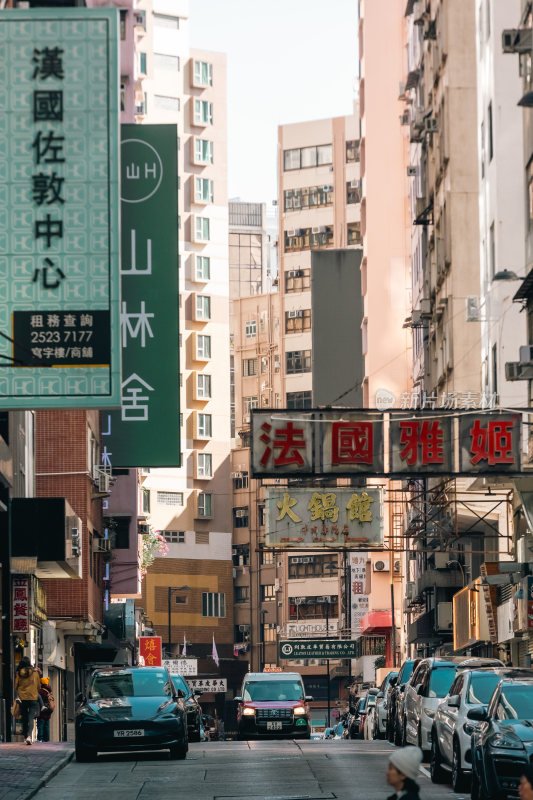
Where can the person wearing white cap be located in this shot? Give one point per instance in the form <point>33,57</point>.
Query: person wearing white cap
<point>404,766</point>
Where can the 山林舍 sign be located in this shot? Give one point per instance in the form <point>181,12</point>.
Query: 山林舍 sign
<point>147,428</point>
<point>335,517</point>
<point>334,443</point>
<point>59,209</point>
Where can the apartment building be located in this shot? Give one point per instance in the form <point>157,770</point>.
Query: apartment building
<point>191,505</point>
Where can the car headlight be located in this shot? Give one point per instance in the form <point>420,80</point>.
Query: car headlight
<point>429,712</point>
<point>299,710</point>
<point>506,742</point>
<point>248,712</point>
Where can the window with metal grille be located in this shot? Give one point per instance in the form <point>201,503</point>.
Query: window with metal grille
<point>170,498</point>
<point>174,537</point>
<point>213,604</point>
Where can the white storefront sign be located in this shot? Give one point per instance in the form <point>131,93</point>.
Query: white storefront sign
<point>181,666</point>
<point>209,684</point>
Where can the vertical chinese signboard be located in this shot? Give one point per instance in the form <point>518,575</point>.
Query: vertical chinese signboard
<point>150,650</point>
<point>59,212</point>
<point>20,607</point>
<point>146,431</point>
<point>359,598</point>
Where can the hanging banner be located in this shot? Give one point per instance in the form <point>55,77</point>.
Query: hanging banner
<point>146,431</point>
<point>330,518</point>
<point>59,208</point>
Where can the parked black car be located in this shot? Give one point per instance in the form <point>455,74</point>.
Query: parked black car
<point>193,709</point>
<point>502,742</point>
<point>130,708</point>
<point>395,703</point>
<point>357,723</point>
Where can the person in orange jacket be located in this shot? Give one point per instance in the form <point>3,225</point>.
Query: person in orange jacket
<point>27,685</point>
<point>43,720</point>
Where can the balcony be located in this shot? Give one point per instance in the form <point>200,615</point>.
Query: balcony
<point>422,630</point>
<point>441,578</point>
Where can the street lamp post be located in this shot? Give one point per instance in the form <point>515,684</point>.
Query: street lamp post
<point>327,659</point>
<point>170,590</point>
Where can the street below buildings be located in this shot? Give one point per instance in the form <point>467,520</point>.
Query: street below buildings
<point>270,770</point>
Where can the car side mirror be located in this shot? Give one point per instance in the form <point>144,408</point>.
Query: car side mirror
<point>379,695</point>
<point>478,713</point>
<point>393,681</point>
<point>402,688</point>
<point>181,693</point>
<point>420,689</point>
<point>197,692</point>
<point>308,698</point>
<point>454,701</point>
<point>238,699</point>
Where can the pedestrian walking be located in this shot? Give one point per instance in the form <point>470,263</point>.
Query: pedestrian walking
<point>43,720</point>
<point>404,766</point>
<point>27,685</point>
<point>525,788</point>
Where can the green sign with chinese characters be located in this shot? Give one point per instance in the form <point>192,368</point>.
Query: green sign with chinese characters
<point>318,648</point>
<point>146,431</point>
<point>59,208</point>
<point>325,517</point>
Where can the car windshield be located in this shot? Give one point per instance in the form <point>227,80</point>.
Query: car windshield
<point>272,691</point>
<point>516,702</point>
<point>362,704</point>
<point>124,683</point>
<point>481,688</point>
<point>180,683</point>
<point>407,671</point>
<point>440,681</point>
<point>372,700</point>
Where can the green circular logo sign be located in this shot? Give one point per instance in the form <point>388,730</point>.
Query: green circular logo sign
<point>141,171</point>
<point>286,649</point>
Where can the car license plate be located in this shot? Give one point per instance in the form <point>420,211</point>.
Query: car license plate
<point>127,734</point>
<point>274,726</point>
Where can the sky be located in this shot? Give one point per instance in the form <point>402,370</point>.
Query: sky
<point>288,61</point>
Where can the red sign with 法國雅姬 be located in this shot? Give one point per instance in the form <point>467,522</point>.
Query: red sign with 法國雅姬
<point>150,650</point>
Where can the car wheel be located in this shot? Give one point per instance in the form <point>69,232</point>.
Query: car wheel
<point>459,779</point>
<point>178,751</point>
<point>475,789</point>
<point>85,754</point>
<point>425,753</point>
<point>438,774</point>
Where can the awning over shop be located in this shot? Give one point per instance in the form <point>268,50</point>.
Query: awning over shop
<point>376,622</point>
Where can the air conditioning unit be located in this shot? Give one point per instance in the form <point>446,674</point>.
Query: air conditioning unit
<point>431,125</point>
<point>410,590</point>
<point>139,19</point>
<point>516,40</point>
<point>246,419</point>
<point>240,512</point>
<point>355,183</point>
<point>277,585</point>
<point>401,90</point>
<point>101,545</point>
<point>143,529</point>
<point>381,565</point>
<point>295,314</point>
<point>294,273</point>
<point>526,353</point>
<point>404,118</point>
<point>397,566</point>
<point>472,308</point>
<point>411,172</point>
<point>244,628</point>
<point>280,603</point>
<point>444,616</point>
<point>518,371</point>
<point>293,232</point>
<point>327,188</point>
<point>235,475</point>
<point>319,229</point>
<point>76,542</point>
<point>441,560</point>
<point>103,483</point>
<point>140,109</point>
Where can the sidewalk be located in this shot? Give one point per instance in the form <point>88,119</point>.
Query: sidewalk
<point>24,770</point>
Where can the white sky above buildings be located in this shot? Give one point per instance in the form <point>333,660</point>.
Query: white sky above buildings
<point>288,61</point>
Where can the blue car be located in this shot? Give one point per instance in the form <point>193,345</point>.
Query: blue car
<point>130,708</point>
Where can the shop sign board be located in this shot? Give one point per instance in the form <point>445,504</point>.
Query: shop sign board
<point>215,685</point>
<point>181,666</point>
<point>20,606</point>
<point>150,649</point>
<point>395,444</point>
<point>335,517</point>
<point>59,218</point>
<point>318,648</point>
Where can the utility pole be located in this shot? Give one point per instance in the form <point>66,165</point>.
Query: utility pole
<point>327,659</point>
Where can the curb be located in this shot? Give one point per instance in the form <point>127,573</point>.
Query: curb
<point>52,772</point>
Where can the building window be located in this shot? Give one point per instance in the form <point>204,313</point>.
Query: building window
<point>240,480</point>
<point>354,233</point>
<point>203,112</point>
<point>352,150</point>
<point>353,191</point>
<point>170,498</point>
<point>166,21</point>
<point>203,151</point>
<point>203,346</point>
<point>240,517</point>
<point>307,197</point>
<point>492,251</point>
<point>123,14</point>
<point>170,63</point>
<point>529,177</point>
<point>242,594</point>
<point>297,280</point>
<point>305,238</point>
<point>165,103</point>
<point>301,608</point>
<point>304,157</point>
<point>269,632</point>
<point>267,557</point>
<point>248,403</point>
<point>203,73</point>
<point>203,268</point>
<point>146,501</point>
<point>204,425</point>
<point>205,504</point>
<point>142,64</point>
<point>213,604</point>
<point>317,566</point>
<point>203,386</point>
<point>174,537</point>
<point>249,367</point>
<point>205,465</point>
<point>261,514</point>
<point>298,361</point>
<point>494,387</point>
<point>203,307</point>
<point>267,591</point>
<point>298,321</point>
<point>201,229</point>
<point>203,190</point>
<point>251,329</point>
<point>490,133</point>
<point>299,400</point>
